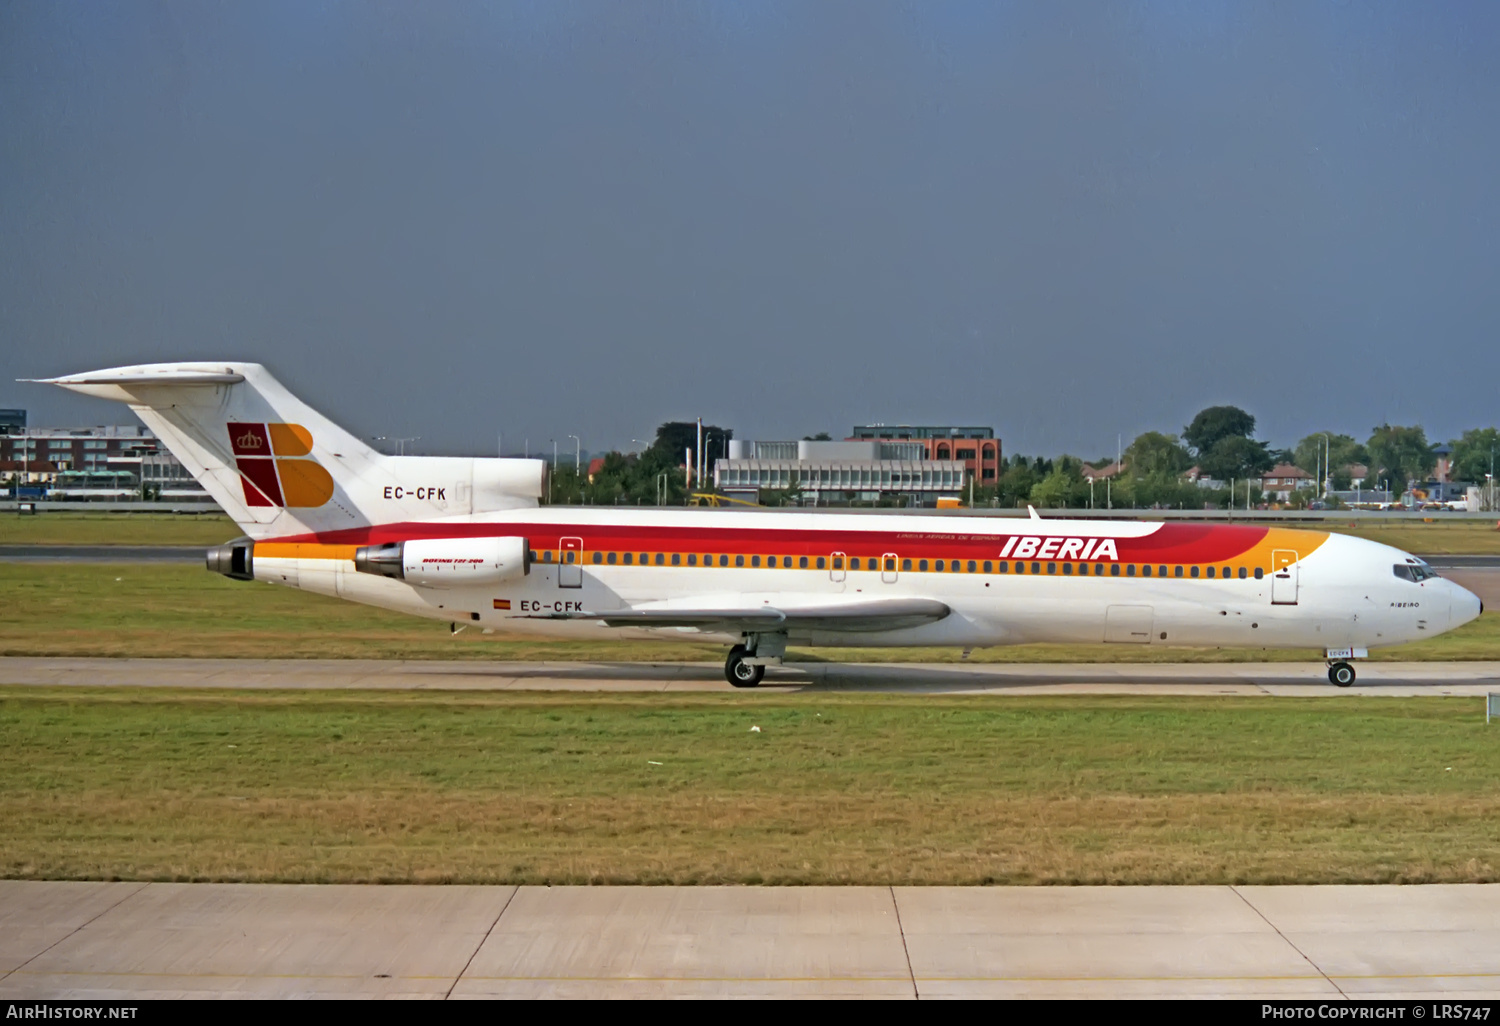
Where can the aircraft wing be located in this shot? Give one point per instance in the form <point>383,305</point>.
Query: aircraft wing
<point>876,615</point>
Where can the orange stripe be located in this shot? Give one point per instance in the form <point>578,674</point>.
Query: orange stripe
<point>298,550</point>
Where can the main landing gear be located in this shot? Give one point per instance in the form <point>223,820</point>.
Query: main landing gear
<point>740,673</point>
<point>1340,674</point>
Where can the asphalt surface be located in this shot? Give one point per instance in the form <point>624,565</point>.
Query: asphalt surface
<point>1454,679</point>
<point>103,554</point>
<point>126,941</point>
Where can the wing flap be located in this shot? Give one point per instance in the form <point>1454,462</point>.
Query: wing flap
<point>880,615</point>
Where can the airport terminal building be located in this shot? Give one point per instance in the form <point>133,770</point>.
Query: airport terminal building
<point>108,463</point>
<point>835,473</point>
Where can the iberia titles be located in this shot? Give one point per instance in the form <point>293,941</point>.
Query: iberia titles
<point>1031,547</point>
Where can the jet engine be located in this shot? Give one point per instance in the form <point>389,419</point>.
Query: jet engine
<point>447,562</point>
<point>234,559</point>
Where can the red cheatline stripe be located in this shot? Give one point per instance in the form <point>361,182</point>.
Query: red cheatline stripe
<point>1171,543</point>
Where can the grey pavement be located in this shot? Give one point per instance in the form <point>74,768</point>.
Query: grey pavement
<point>1269,679</point>
<point>103,553</point>
<point>132,940</point>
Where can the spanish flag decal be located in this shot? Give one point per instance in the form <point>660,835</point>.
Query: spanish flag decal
<point>269,476</point>
<point>502,603</point>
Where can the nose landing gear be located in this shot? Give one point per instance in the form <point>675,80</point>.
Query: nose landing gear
<point>1340,674</point>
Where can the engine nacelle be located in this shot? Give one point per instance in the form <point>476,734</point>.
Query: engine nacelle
<point>447,562</point>
<point>234,559</point>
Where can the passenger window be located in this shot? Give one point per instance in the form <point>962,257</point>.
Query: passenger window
<point>838,562</point>
<point>1098,569</point>
<point>1020,567</point>
<point>1242,573</point>
<point>1036,568</point>
<point>676,559</point>
<point>922,565</point>
<point>531,555</point>
<point>1194,572</point>
<point>820,563</point>
<point>1146,571</point>
<point>987,566</point>
<point>1177,571</point>
<point>854,563</point>
<point>1067,569</point>
<point>786,561</point>
<point>1052,568</point>
<point>1130,570</point>
<point>739,560</point>
<point>890,564</point>
<point>661,559</point>
<point>938,566</point>
<point>755,561</point>
<point>1210,571</point>
<point>1161,571</point>
<point>723,560</point>
<point>611,559</point>
<point>802,562</point>
<point>1114,569</point>
<point>627,558</point>
<point>771,562</point>
<point>1259,573</point>
<point>692,559</point>
<point>1004,567</point>
<point>547,556</point>
<point>597,557</point>
<point>1226,574</point>
<point>971,566</point>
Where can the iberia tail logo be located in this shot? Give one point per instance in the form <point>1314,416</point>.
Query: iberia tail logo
<point>264,454</point>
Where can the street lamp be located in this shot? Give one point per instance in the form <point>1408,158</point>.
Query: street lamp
<point>400,442</point>
<point>577,452</point>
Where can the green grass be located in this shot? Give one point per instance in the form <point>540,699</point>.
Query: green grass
<point>149,784</point>
<point>56,528</point>
<point>133,609</point>
<point>1439,538</point>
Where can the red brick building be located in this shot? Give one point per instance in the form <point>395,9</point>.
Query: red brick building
<point>976,448</point>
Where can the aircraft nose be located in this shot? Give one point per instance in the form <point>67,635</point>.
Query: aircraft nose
<point>1465,605</point>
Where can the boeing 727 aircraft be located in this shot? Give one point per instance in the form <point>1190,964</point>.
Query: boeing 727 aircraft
<point>464,540</point>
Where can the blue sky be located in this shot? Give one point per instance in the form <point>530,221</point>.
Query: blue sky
<point>1070,221</point>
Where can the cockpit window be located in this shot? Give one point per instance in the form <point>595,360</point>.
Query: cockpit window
<point>1413,572</point>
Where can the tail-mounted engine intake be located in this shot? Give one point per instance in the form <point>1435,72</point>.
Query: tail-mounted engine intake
<point>447,562</point>
<point>234,559</point>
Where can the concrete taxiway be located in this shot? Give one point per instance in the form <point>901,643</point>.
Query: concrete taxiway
<point>1268,679</point>
<point>134,940</point>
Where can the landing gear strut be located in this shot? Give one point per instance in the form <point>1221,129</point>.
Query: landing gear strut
<point>740,673</point>
<point>1340,674</point>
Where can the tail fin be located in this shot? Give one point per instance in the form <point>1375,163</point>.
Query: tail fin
<point>278,467</point>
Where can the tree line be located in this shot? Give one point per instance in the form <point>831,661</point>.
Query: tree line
<point>1220,442</point>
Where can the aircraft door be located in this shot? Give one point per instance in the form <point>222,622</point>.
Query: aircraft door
<point>1129,625</point>
<point>888,568</point>
<point>570,563</point>
<point>1283,577</point>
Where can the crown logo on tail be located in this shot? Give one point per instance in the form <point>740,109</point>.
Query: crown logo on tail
<point>278,481</point>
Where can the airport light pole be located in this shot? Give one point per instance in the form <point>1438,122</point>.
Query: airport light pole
<point>577,452</point>
<point>1327,470</point>
<point>400,442</point>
